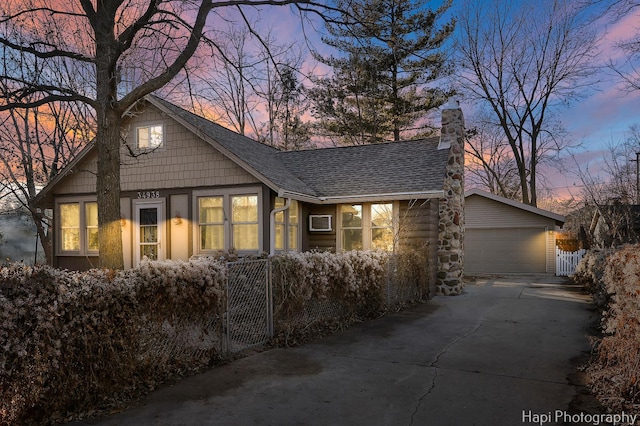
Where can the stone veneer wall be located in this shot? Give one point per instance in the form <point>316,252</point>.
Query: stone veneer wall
<point>450,275</point>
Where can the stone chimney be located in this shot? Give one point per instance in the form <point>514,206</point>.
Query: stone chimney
<point>451,208</point>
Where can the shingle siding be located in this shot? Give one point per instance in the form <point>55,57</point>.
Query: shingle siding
<point>82,180</point>
<point>184,161</point>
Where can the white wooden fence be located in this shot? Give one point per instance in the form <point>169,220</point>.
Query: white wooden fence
<point>566,261</point>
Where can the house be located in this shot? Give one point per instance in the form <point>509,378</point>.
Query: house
<point>190,187</point>
<point>506,236</point>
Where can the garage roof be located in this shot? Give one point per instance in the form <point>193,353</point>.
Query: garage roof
<point>560,220</point>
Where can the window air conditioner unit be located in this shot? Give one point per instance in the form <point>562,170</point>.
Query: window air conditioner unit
<point>320,222</point>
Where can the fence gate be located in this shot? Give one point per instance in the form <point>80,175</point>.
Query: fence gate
<point>249,317</point>
<point>566,261</point>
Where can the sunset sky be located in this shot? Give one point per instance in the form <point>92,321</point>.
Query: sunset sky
<point>601,118</point>
<point>605,115</point>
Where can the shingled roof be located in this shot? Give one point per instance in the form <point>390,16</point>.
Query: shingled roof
<point>257,158</point>
<point>394,170</point>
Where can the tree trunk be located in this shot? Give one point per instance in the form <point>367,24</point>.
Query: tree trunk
<point>44,236</point>
<point>108,188</point>
<point>108,127</point>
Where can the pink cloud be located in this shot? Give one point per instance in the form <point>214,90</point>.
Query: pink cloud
<point>625,28</point>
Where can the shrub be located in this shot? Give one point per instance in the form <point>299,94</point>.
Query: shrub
<point>316,292</point>
<point>84,342</point>
<point>76,340</point>
<point>615,373</point>
<point>589,273</point>
<point>356,279</point>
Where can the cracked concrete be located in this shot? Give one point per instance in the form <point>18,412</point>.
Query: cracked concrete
<point>503,347</point>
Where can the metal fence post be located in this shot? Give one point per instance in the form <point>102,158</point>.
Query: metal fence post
<point>226,323</point>
<point>269,294</point>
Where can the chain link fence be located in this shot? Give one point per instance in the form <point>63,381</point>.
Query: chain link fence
<point>248,319</point>
<point>183,342</point>
<point>406,281</point>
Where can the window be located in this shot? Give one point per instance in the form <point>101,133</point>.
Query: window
<point>287,225</point>
<point>91,215</point>
<point>382,226</point>
<point>281,226</point>
<point>227,221</point>
<point>244,222</point>
<point>78,222</point>
<point>366,226</point>
<point>150,137</point>
<point>294,218</point>
<point>351,216</point>
<point>211,223</point>
<point>148,225</point>
<point>70,226</point>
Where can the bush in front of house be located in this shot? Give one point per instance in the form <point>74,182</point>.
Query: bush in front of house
<point>355,278</point>
<point>615,371</point>
<point>78,341</point>
<point>318,292</point>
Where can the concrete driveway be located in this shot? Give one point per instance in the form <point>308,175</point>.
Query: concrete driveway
<point>499,354</point>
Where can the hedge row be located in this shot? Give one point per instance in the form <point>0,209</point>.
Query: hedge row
<point>615,280</point>
<point>319,292</point>
<point>73,341</point>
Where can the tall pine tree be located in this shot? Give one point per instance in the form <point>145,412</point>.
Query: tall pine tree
<point>389,59</point>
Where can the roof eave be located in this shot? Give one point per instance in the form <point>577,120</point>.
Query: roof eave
<point>559,219</point>
<point>45,193</point>
<point>247,167</point>
<point>371,198</point>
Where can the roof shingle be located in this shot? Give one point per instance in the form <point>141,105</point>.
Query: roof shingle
<point>387,168</point>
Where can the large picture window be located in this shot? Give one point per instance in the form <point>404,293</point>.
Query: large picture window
<point>78,226</point>
<point>366,226</point>
<point>228,221</point>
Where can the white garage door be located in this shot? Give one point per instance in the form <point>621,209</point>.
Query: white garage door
<point>505,250</point>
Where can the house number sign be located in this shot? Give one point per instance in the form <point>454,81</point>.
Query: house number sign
<point>148,194</point>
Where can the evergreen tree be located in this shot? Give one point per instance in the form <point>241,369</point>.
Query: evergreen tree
<point>294,133</point>
<point>383,81</point>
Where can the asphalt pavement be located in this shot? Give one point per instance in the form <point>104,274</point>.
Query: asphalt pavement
<point>499,354</point>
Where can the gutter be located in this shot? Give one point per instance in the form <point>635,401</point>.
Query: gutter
<point>272,226</point>
<point>345,199</point>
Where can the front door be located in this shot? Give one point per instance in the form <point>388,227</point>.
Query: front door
<point>149,231</point>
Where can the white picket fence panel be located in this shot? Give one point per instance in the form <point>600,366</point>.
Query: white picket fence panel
<point>566,261</point>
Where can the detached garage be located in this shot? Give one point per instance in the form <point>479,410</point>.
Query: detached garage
<point>506,236</point>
